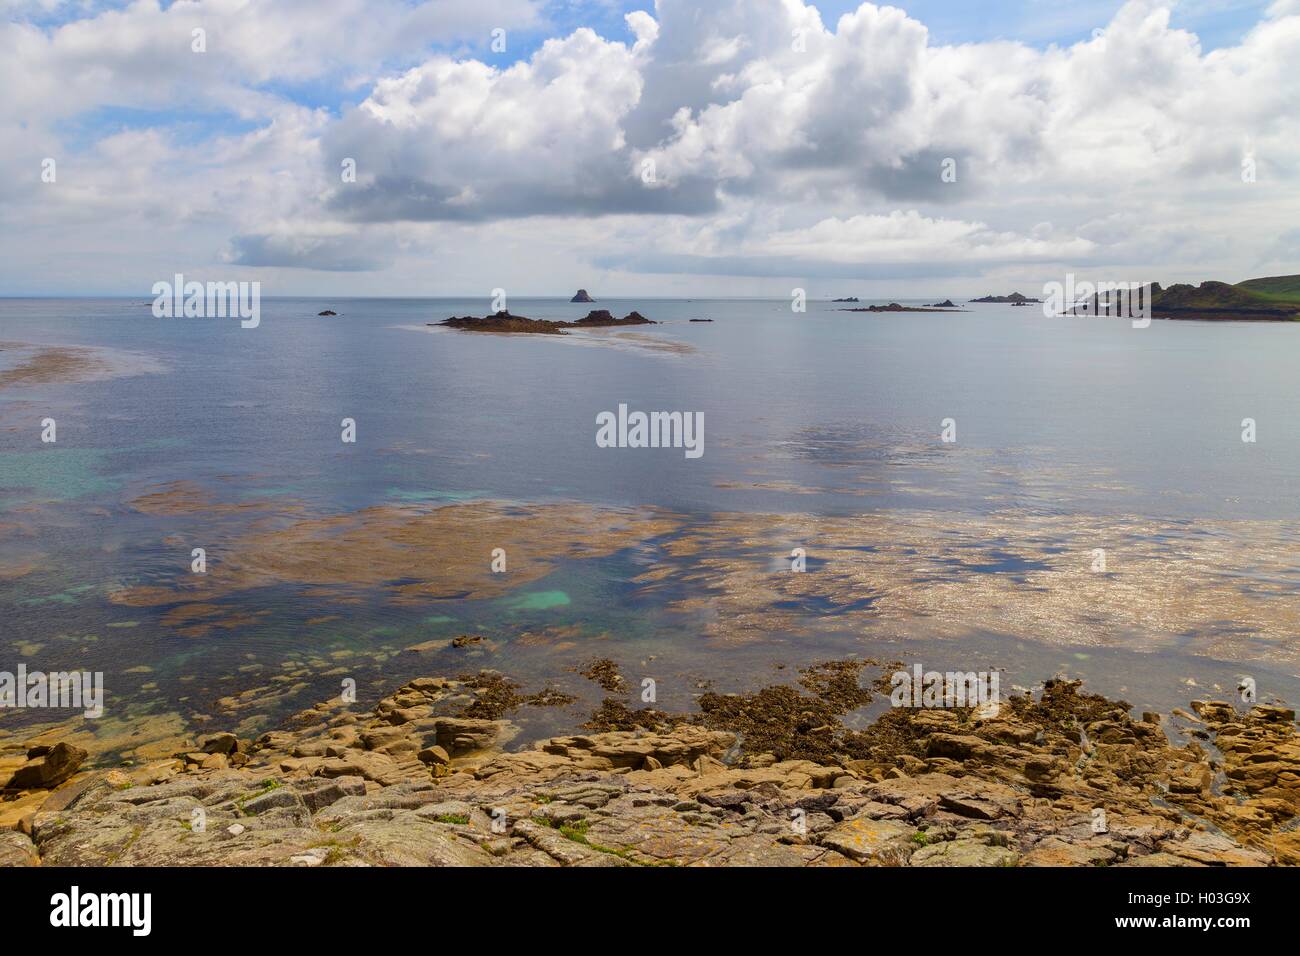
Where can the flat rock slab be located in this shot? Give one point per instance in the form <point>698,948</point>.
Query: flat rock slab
<point>877,842</point>
<point>964,853</point>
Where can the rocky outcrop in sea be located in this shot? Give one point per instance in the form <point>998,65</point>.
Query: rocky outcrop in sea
<point>896,307</point>
<point>1014,298</point>
<point>505,322</point>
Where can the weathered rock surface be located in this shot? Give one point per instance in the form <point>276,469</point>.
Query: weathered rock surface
<point>44,768</point>
<point>1067,780</point>
<point>17,849</point>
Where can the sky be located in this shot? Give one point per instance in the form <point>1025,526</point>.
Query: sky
<point>656,148</point>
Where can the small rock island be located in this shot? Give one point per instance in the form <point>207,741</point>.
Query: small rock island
<point>327,312</point>
<point>581,296</point>
<point>505,322</point>
<point>895,307</point>
<point>1014,298</point>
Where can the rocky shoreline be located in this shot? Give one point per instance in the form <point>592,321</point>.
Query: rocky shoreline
<point>436,775</point>
<point>1256,300</point>
<point>1217,301</point>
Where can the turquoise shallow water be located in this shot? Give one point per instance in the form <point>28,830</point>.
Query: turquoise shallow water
<point>828,412</point>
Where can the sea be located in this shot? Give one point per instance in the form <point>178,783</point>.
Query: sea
<point>1184,434</point>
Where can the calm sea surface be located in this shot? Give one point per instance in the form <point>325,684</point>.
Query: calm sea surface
<point>829,413</point>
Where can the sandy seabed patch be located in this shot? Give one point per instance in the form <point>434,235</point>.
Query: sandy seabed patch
<point>592,338</point>
<point>28,364</point>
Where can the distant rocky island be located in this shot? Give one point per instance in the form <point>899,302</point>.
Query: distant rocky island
<point>581,296</point>
<point>852,298</point>
<point>1014,298</point>
<point>503,321</point>
<point>895,307</point>
<point>327,312</point>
